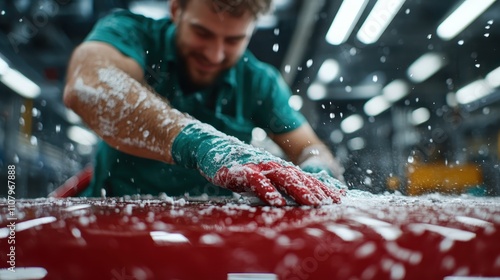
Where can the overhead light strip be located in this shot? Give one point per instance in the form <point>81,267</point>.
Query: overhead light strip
<point>473,91</point>
<point>462,17</point>
<point>425,66</point>
<point>345,20</point>
<point>377,21</point>
<point>16,81</point>
<point>328,71</point>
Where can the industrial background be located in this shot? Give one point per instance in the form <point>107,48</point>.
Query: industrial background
<point>406,93</point>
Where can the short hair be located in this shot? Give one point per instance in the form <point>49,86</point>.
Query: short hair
<point>237,7</point>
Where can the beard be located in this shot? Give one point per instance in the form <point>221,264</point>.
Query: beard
<point>191,80</point>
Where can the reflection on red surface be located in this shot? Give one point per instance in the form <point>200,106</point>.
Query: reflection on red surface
<point>365,237</point>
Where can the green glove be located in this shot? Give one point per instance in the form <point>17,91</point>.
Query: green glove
<point>227,162</point>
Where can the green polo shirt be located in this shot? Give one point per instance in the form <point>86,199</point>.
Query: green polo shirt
<point>250,94</point>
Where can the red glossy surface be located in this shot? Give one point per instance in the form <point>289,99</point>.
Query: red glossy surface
<point>365,237</point>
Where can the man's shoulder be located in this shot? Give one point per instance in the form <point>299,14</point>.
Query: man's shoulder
<point>118,16</point>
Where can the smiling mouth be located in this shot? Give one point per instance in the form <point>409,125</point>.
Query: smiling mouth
<point>204,66</point>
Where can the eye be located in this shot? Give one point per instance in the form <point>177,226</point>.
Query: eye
<point>233,41</point>
<point>201,33</point>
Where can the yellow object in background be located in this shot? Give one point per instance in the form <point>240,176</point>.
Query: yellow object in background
<point>427,178</point>
<point>27,116</point>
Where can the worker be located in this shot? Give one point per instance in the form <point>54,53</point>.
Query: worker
<point>175,101</point>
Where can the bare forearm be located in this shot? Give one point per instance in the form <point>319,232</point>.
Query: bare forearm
<point>125,113</point>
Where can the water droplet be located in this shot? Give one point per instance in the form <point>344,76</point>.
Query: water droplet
<point>58,128</point>
<point>477,65</point>
<point>21,121</point>
<point>35,112</point>
<point>332,115</point>
<point>20,20</point>
<point>461,42</point>
<point>486,35</point>
<point>276,31</point>
<point>487,27</point>
<point>309,63</point>
<point>287,68</point>
<point>407,11</point>
<point>375,78</point>
<point>33,141</point>
<point>348,88</point>
<point>353,51</point>
<point>490,22</point>
<point>323,106</point>
<point>429,36</point>
<point>2,13</point>
<point>145,133</point>
<point>15,159</point>
<point>276,47</point>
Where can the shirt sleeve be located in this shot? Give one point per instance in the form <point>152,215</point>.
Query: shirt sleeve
<point>125,31</point>
<point>274,114</point>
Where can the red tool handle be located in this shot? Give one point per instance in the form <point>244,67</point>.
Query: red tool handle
<point>74,184</point>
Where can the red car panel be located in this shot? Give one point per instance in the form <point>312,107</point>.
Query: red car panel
<point>365,237</point>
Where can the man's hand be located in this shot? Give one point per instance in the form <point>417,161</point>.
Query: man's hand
<point>227,162</point>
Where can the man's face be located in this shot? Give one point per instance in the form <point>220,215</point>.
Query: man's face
<point>208,41</point>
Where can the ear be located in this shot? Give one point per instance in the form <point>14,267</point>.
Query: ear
<point>175,10</point>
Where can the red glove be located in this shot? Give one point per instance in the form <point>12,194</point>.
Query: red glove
<point>266,179</point>
<point>232,164</point>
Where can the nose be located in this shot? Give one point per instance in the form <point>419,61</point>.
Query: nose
<point>215,52</point>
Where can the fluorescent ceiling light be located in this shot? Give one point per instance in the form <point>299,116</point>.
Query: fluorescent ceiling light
<point>493,78</point>
<point>356,144</point>
<point>395,90</point>
<point>20,84</point>
<point>376,105</point>
<point>377,21</point>
<point>352,124</point>
<point>316,91</point>
<point>420,115</point>
<point>345,20</point>
<point>151,9</point>
<point>267,21</point>
<point>72,117</point>
<point>4,66</point>
<point>328,71</point>
<point>81,135</point>
<point>462,17</point>
<point>425,66</point>
<point>473,91</point>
